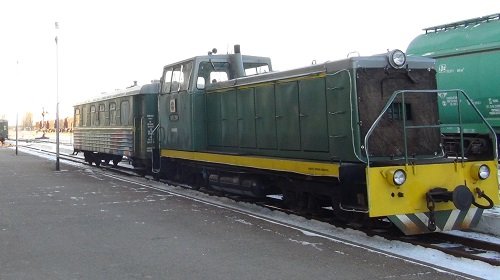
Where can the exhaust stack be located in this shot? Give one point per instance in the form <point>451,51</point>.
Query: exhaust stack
<point>238,70</point>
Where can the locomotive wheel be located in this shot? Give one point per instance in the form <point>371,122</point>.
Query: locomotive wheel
<point>290,198</point>
<point>116,160</point>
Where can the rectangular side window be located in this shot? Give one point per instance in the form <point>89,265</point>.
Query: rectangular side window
<point>101,114</point>
<point>125,112</point>
<point>77,117</point>
<point>177,78</point>
<point>167,81</point>
<point>93,116</point>
<point>112,113</point>
<point>85,115</point>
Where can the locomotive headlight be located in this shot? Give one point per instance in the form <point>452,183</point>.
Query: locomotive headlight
<point>397,58</point>
<point>480,171</point>
<point>396,177</point>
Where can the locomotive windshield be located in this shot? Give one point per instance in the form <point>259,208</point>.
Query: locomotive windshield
<point>176,78</point>
<point>211,72</point>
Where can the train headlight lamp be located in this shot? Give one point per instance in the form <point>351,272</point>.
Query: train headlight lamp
<point>396,177</point>
<point>397,58</point>
<point>480,171</point>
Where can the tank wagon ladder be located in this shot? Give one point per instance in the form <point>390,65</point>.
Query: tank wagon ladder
<point>462,23</point>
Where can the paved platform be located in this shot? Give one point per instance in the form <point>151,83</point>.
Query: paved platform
<point>80,224</point>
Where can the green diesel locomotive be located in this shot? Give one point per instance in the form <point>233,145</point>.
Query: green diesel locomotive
<point>361,135</point>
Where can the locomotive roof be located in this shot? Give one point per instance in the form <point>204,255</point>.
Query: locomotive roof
<point>152,88</point>
<point>374,61</point>
<point>215,57</point>
<point>478,34</point>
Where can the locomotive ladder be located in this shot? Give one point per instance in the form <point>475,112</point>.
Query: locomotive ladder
<point>406,127</point>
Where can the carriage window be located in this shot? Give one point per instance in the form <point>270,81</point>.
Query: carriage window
<point>395,112</point>
<point>93,116</point>
<point>112,113</point>
<point>101,114</point>
<point>85,119</point>
<point>77,117</point>
<point>124,112</point>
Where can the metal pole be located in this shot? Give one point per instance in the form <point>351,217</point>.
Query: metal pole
<point>17,113</point>
<point>57,100</point>
<point>17,116</point>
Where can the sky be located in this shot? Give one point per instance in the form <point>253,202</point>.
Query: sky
<point>107,45</point>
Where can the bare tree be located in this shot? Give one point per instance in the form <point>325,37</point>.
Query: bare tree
<point>28,120</point>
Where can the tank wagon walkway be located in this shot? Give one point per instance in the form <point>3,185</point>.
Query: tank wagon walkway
<point>79,224</point>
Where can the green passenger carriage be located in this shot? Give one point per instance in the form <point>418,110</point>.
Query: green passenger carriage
<point>118,125</point>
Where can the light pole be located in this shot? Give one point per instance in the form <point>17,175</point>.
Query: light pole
<point>57,98</point>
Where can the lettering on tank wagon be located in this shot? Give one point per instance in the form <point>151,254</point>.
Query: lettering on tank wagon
<point>452,100</point>
<point>493,106</point>
<point>443,69</point>
<point>448,100</point>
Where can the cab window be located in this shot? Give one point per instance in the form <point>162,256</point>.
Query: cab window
<point>255,68</point>
<point>212,72</point>
<point>177,78</point>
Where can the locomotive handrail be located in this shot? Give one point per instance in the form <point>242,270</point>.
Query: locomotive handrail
<point>405,127</point>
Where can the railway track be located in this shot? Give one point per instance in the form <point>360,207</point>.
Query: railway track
<point>457,246</point>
